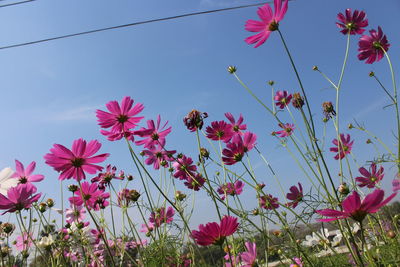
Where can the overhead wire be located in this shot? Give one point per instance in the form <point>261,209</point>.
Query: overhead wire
<point>16,3</point>
<point>128,25</point>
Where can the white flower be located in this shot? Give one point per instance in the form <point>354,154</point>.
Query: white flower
<point>46,241</point>
<point>356,227</point>
<point>5,181</point>
<point>311,240</point>
<point>337,239</point>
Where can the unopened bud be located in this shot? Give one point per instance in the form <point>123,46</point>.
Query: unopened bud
<point>50,202</point>
<point>231,69</point>
<point>271,83</point>
<point>344,189</point>
<point>371,74</point>
<point>180,196</point>
<point>73,188</point>
<point>315,68</point>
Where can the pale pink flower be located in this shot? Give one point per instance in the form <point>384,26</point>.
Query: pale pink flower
<point>6,180</point>
<point>74,163</point>
<point>18,198</point>
<point>154,134</point>
<point>298,262</point>
<point>24,242</point>
<point>249,257</point>
<point>214,233</point>
<point>372,47</point>
<point>352,23</point>
<point>356,209</point>
<point>269,22</point>
<point>147,228</point>
<point>121,119</point>
<point>237,126</point>
<point>75,214</point>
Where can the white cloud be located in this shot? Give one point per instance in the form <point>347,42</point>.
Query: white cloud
<point>75,114</point>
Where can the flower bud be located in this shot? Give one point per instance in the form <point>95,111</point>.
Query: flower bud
<point>271,82</point>
<point>256,212</point>
<point>141,153</point>
<point>129,177</point>
<point>328,110</point>
<point>42,207</point>
<point>231,69</point>
<point>134,195</point>
<point>344,189</point>
<point>204,153</point>
<point>298,101</point>
<point>350,126</point>
<point>180,196</point>
<point>259,187</point>
<point>391,234</point>
<point>315,68</point>
<point>73,188</point>
<point>8,228</point>
<point>194,120</point>
<point>50,202</point>
<point>368,141</point>
<point>371,74</point>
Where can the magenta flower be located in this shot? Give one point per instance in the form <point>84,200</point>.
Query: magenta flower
<point>120,118</point>
<point>352,23</point>
<point>345,146</point>
<point>231,189</point>
<point>269,22</point>
<point>184,168</point>
<point>18,198</point>
<point>104,178</point>
<point>195,182</point>
<point>155,134</point>
<point>371,178</point>
<point>282,99</point>
<point>147,228</point>
<point>237,126</point>
<point>269,202</point>
<point>219,130</point>
<point>159,216</point>
<point>75,214</point>
<point>24,242</point>
<point>236,148</point>
<point>74,164</point>
<point>25,176</point>
<point>288,129</point>
<point>296,195</point>
<point>355,209</point>
<point>298,262</point>
<point>249,257</point>
<point>214,233</point>
<point>372,47</point>
<point>91,196</point>
<point>158,157</point>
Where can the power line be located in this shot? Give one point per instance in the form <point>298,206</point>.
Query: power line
<point>127,25</point>
<point>16,3</point>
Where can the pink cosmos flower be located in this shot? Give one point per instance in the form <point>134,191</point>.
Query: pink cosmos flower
<point>18,198</point>
<point>371,46</point>
<point>396,185</point>
<point>237,126</point>
<point>74,164</point>
<point>75,214</point>
<point>231,189</point>
<point>120,118</point>
<point>219,130</point>
<point>25,175</point>
<point>147,228</point>
<point>214,233</point>
<point>155,134</point>
<point>184,168</point>
<point>24,242</point>
<point>249,257</point>
<point>269,202</point>
<point>236,148</point>
<point>352,23</point>
<point>356,209</point>
<point>158,157</point>
<point>159,216</point>
<point>195,182</point>
<point>91,195</point>
<point>104,178</point>
<point>288,129</point>
<point>370,178</point>
<point>298,262</point>
<point>345,146</point>
<point>282,99</point>
<point>269,22</point>
<point>296,195</point>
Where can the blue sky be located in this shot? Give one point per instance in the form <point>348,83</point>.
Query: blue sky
<point>50,91</point>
